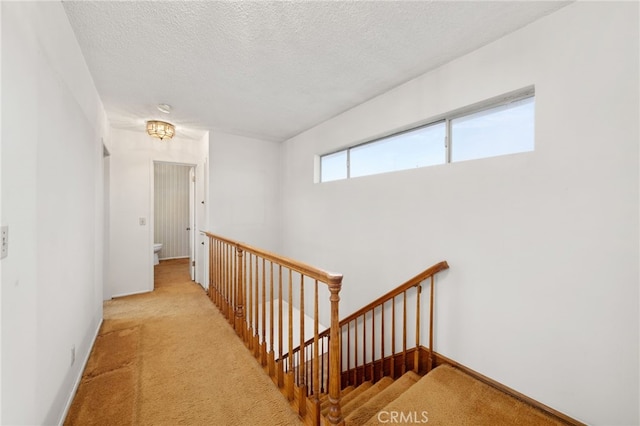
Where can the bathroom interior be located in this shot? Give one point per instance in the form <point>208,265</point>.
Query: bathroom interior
<point>173,213</point>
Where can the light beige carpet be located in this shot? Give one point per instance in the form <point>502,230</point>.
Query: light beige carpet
<point>170,358</point>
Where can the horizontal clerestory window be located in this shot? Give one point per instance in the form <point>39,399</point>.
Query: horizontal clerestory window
<point>497,127</point>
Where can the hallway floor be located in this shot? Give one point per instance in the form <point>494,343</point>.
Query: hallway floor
<point>168,357</point>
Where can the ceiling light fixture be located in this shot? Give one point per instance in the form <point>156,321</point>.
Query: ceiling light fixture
<point>160,129</point>
<point>166,108</point>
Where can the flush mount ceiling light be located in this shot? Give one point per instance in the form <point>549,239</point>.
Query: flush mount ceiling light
<point>160,129</point>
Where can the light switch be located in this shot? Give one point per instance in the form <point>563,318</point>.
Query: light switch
<point>143,221</point>
<point>4,239</point>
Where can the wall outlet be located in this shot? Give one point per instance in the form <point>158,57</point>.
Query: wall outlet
<point>73,354</point>
<point>142,221</point>
<point>4,241</point>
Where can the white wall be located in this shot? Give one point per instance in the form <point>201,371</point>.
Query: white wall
<point>244,189</point>
<point>131,187</point>
<point>542,294</point>
<point>53,122</point>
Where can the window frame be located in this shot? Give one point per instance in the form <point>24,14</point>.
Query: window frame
<point>495,102</point>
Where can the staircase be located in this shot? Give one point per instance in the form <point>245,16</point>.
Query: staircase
<point>368,368</point>
<point>445,396</point>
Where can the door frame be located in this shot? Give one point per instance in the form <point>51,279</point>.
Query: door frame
<point>192,214</point>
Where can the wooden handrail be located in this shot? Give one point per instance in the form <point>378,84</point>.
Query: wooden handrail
<point>303,268</point>
<point>398,290</point>
<point>372,368</point>
<point>429,272</point>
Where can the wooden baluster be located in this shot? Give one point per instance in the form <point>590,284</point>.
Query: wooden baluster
<point>431,360</point>
<point>250,306</point>
<point>349,381</point>
<point>246,291</point>
<point>404,332</point>
<point>302,367</point>
<point>322,368</point>
<point>263,346</point>
<point>271,356</point>
<point>210,257</point>
<point>364,347</point>
<point>356,380</point>
<point>416,355</point>
<point>230,308</point>
<point>225,281</point>
<point>256,318</point>
<point>382,339</point>
<point>280,328</point>
<point>290,374</point>
<point>393,338</point>
<point>220,277</point>
<point>232,285</point>
<point>308,370</point>
<point>373,342</point>
<point>335,413</point>
<point>212,267</point>
<point>217,275</point>
<point>240,324</point>
<point>315,370</point>
<point>223,278</point>
<point>216,284</point>
<point>316,343</point>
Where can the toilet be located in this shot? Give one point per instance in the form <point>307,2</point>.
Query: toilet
<point>156,250</point>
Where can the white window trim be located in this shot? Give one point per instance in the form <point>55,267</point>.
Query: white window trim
<point>447,118</point>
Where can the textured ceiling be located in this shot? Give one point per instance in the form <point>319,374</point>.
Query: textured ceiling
<point>273,69</point>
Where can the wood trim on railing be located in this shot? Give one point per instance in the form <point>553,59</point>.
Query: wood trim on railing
<point>303,268</point>
<point>413,282</point>
<point>441,266</point>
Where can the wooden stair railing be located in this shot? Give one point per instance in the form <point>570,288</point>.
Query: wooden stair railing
<point>374,338</point>
<point>249,286</point>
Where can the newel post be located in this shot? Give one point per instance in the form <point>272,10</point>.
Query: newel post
<point>334,416</point>
<point>239,322</point>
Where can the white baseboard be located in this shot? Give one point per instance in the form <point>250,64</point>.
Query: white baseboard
<point>80,372</point>
<point>131,294</point>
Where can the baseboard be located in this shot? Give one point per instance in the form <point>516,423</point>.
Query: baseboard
<point>441,359</point>
<point>79,378</point>
<point>130,294</point>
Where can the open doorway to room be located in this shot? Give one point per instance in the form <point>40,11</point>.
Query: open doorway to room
<point>174,220</point>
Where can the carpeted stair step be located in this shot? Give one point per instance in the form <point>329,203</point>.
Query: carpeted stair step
<point>345,399</point>
<point>362,398</point>
<point>447,396</point>
<point>373,406</point>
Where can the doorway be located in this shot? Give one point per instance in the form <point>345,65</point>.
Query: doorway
<point>174,221</point>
